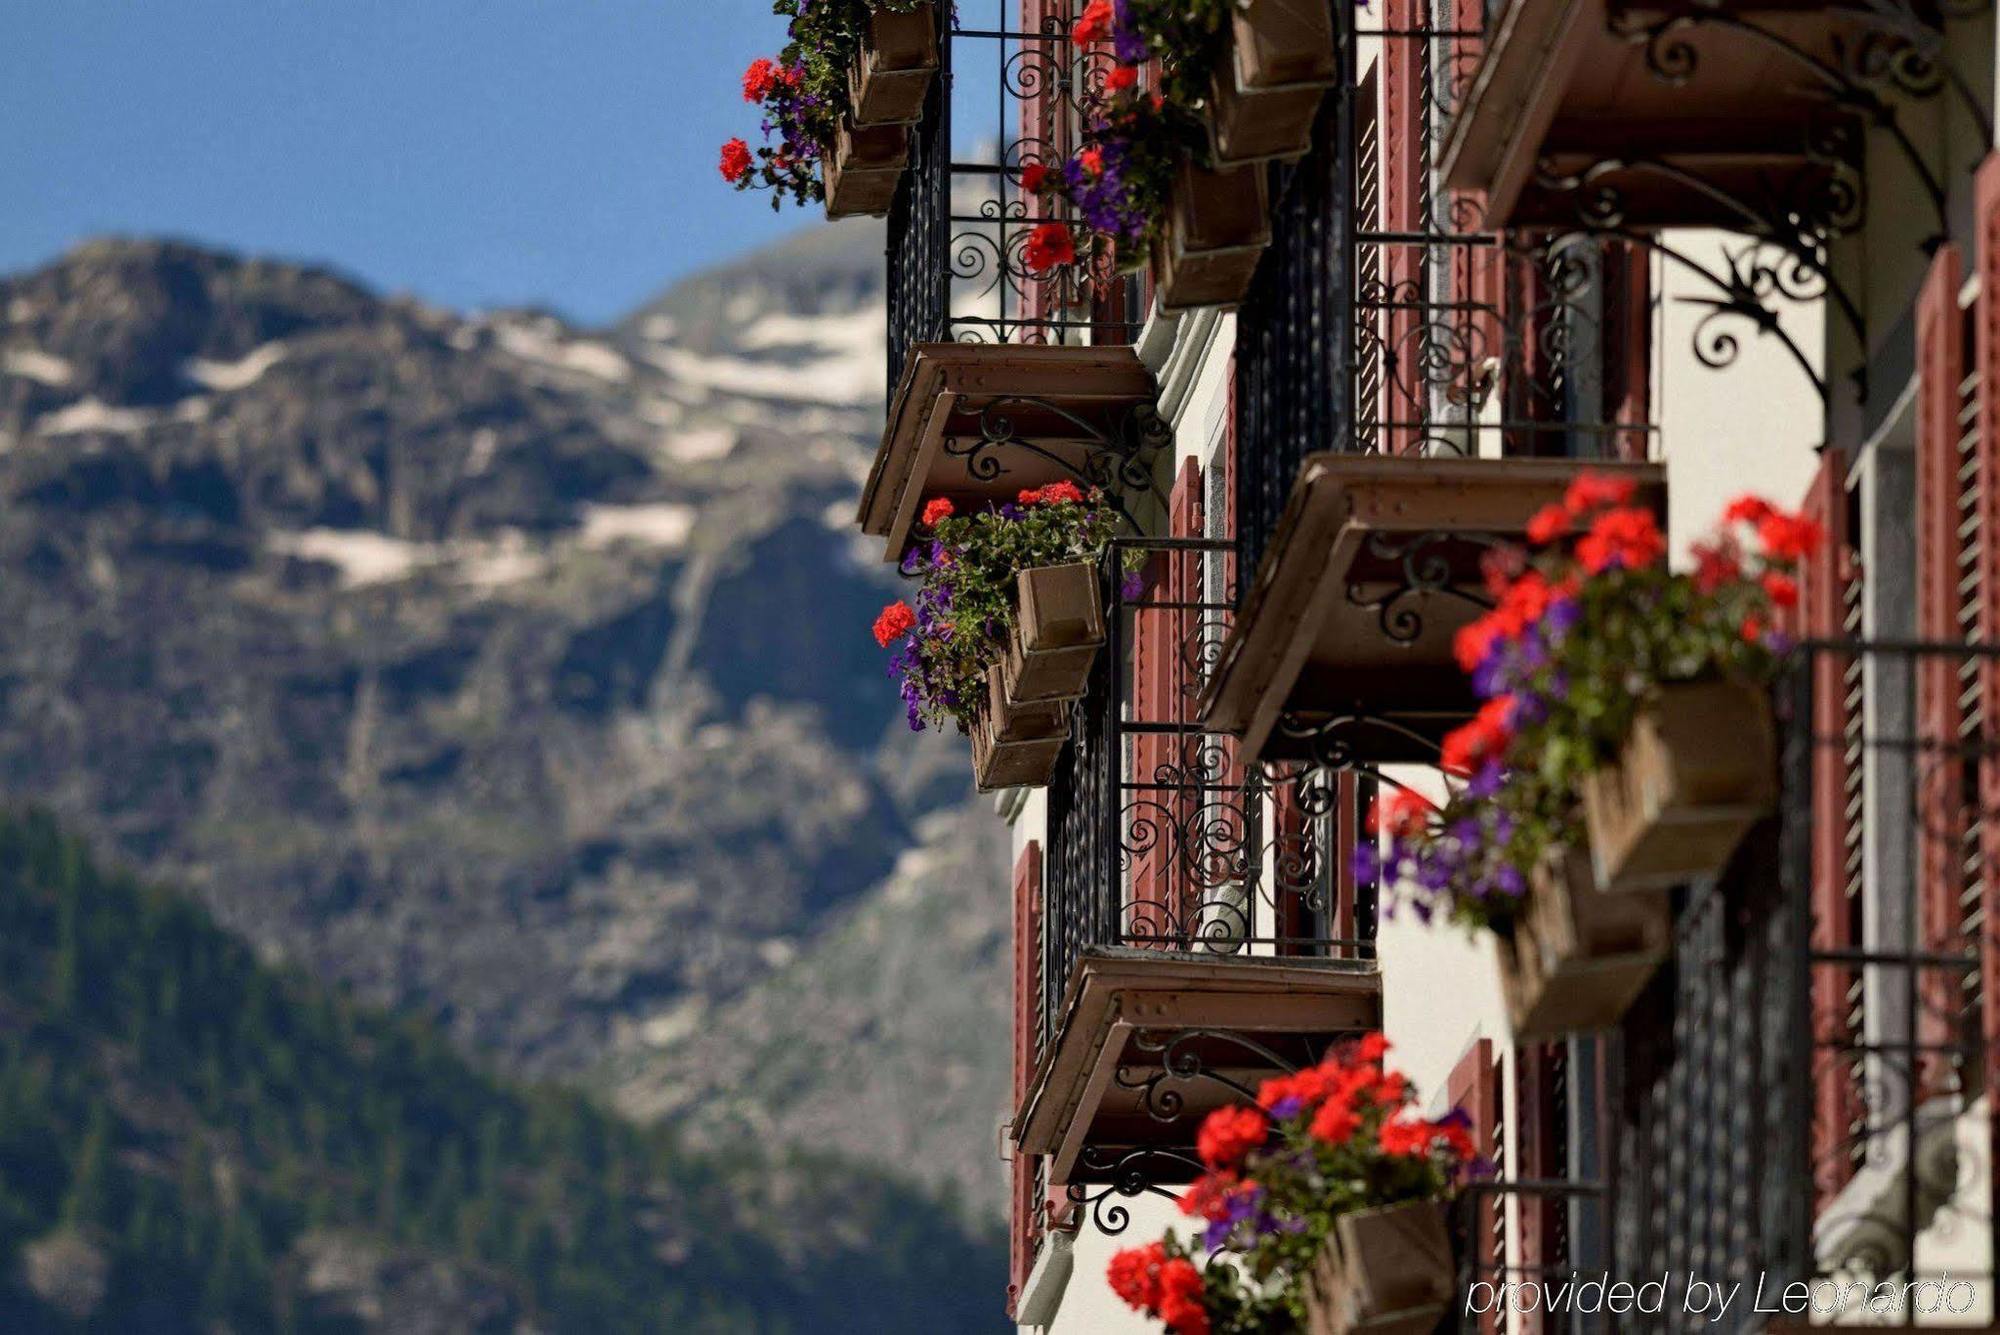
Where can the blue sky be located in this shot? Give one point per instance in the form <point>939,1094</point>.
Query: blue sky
<point>474,152</point>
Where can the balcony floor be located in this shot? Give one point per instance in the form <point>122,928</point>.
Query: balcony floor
<point>1126,1012</point>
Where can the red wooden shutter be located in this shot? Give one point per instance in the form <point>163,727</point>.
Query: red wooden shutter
<point>1475,1086</point>
<point>1985,519</point>
<point>1025,1235</point>
<point>1830,610</point>
<point>1153,815</point>
<point>1943,568</point>
<point>1402,193</point>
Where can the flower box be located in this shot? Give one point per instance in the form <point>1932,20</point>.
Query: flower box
<point>1578,956</point>
<point>1058,629</point>
<point>1016,745</point>
<point>1215,231</point>
<point>1386,1272</point>
<point>1266,92</point>
<point>892,75</point>
<point>1699,769</point>
<point>862,168</point>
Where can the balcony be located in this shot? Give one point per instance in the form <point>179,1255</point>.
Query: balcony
<point>1199,929</point>
<point>979,422</point>
<point>1744,116</point>
<point>1343,651</point>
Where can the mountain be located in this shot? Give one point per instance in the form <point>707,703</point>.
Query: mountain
<point>193,1142</point>
<point>508,675</point>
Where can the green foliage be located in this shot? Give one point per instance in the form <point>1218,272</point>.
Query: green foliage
<point>195,1114</point>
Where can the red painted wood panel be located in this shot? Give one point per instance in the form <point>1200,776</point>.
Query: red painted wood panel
<point>1826,585</point>
<point>1941,775</point>
<point>1985,354</point>
<point>1025,1231</point>
<point>1475,1086</point>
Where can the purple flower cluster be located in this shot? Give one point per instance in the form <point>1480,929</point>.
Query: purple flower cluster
<point>1451,865</point>
<point>1102,195</point>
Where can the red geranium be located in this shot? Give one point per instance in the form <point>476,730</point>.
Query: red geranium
<point>735,161</point>
<point>1485,738</point>
<point>1055,493</point>
<point>936,508</point>
<point>1628,538</point>
<point>1590,491</point>
<point>896,621</point>
<point>1549,523</point>
<point>1781,589</point>
<point>759,80</point>
<point>1230,1133</point>
<point>1121,78</point>
<point>1049,246</point>
<point>1095,24</point>
<point>1715,565</point>
<point>1135,1274</point>
<point>1180,1298</point>
<point>1033,175</point>
<point>1401,812</point>
<point>1788,537</point>
<point>1092,160</point>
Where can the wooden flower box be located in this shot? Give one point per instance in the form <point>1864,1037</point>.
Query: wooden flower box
<point>1698,771</point>
<point>1216,229</point>
<point>1386,1272</point>
<point>1578,956</point>
<point>862,168</point>
<point>1266,92</point>
<point>892,75</point>
<point>1016,745</point>
<point>1058,629</point>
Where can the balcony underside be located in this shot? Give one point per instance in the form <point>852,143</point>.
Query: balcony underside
<point>1103,1094</point>
<point>979,422</point>
<point>1347,630</point>
<point>1651,117</point>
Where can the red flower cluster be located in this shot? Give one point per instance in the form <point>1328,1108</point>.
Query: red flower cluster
<point>1338,1091</point>
<point>759,80</point>
<point>896,621</point>
<point>1521,604</point>
<point>1230,1133</point>
<point>1401,813</point>
<point>1055,493</point>
<point>735,161</point>
<point>1049,246</point>
<point>1121,78</point>
<point>1485,738</point>
<point>1413,1137</point>
<point>1033,176</point>
<point>1625,538</point>
<point>1168,1287</point>
<point>937,508</point>
<point>1095,23</point>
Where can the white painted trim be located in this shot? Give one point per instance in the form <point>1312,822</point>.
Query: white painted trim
<point>1042,1294</point>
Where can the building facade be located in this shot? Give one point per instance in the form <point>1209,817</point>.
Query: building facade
<point>1726,247</point>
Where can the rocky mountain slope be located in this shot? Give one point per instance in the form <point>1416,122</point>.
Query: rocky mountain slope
<point>513,675</point>
<point>194,1144</point>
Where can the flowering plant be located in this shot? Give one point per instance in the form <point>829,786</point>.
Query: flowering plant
<point>1580,638</point>
<point>804,95</point>
<point>957,624</point>
<point>1327,1141</point>
<point>1119,179</point>
<point>1118,182</point>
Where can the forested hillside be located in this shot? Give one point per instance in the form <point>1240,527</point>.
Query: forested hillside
<point>191,1141</point>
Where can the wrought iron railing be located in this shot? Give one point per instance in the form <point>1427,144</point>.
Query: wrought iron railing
<point>1383,321</point>
<point>1805,1092</point>
<point>1158,838</point>
<point>1008,96</point>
